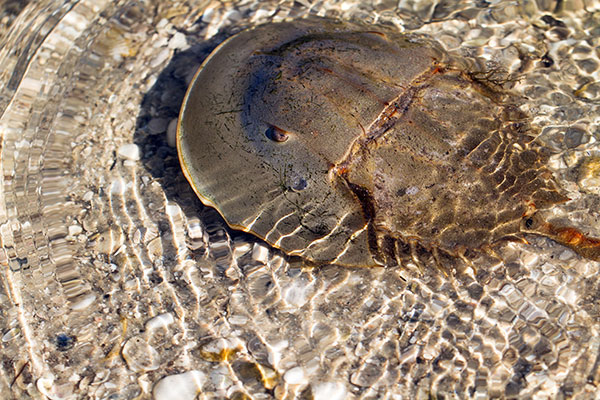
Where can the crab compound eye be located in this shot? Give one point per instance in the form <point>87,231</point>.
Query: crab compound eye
<point>275,134</point>
<point>299,184</point>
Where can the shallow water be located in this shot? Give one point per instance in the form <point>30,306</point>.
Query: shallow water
<point>118,283</point>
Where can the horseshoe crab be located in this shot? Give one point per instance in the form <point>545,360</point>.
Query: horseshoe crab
<point>357,146</point>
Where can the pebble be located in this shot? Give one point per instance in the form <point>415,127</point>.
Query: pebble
<point>129,151</point>
<point>75,230</point>
<point>218,350</point>
<point>296,294</point>
<point>117,188</point>
<point>220,378</point>
<point>208,15</point>
<point>178,41</point>
<point>261,15</point>
<point>45,385</point>
<point>275,352</point>
<point>567,295</point>
<point>162,23</point>
<point>239,249</point>
<point>131,285</point>
<point>589,175</point>
<point>172,133</point>
<point>183,386</point>
<point>172,209</point>
<point>11,334</point>
<point>157,125</point>
<point>48,387</point>
<point>84,302</point>
<point>329,391</point>
<point>160,321</point>
<point>160,58</point>
<point>232,15</point>
<point>194,229</point>
<point>160,42</point>
<point>295,376</point>
<point>139,355</point>
<point>566,255</point>
<point>530,259</point>
<point>88,196</point>
<point>260,253</point>
<point>573,137</point>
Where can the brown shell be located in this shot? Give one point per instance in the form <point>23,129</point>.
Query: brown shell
<point>346,144</point>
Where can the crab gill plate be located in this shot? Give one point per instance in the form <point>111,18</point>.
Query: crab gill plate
<point>355,145</point>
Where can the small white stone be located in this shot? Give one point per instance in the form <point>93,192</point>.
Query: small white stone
<point>172,133</point>
<point>160,42</point>
<point>160,321</point>
<point>132,284</point>
<point>208,15</point>
<point>129,151</point>
<point>162,23</point>
<point>117,187</point>
<point>240,249</point>
<point>172,209</point>
<point>178,41</point>
<point>75,230</point>
<point>329,391</point>
<point>275,352</point>
<point>88,196</point>
<point>150,81</point>
<point>260,253</point>
<point>295,294</point>
<point>160,58</point>
<point>295,376</point>
<point>218,346</point>
<point>179,387</point>
<point>261,15</point>
<point>530,259</point>
<point>84,302</point>
<point>567,294</point>
<point>220,377</point>
<point>194,229</point>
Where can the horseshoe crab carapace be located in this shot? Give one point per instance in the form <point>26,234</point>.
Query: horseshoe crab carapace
<point>361,146</point>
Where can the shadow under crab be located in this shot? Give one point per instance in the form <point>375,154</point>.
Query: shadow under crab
<point>344,144</point>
